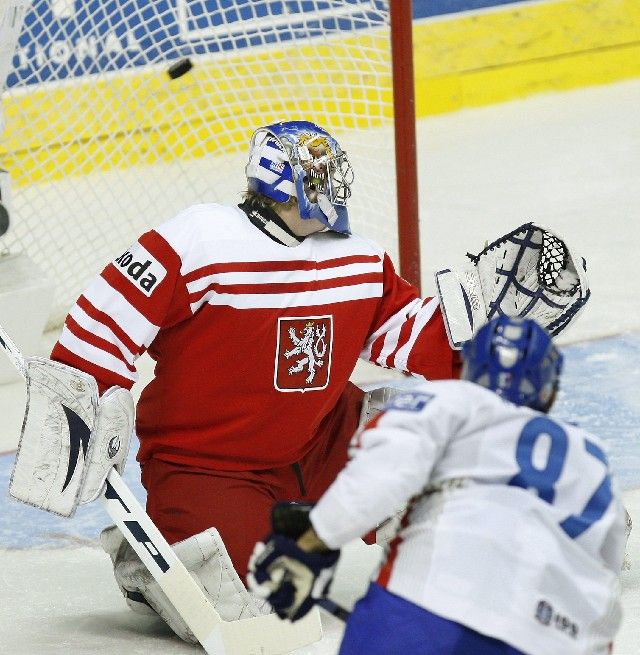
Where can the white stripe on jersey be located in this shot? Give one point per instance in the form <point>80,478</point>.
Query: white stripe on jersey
<point>260,277</point>
<point>282,300</point>
<point>110,301</point>
<point>395,321</point>
<point>206,234</point>
<point>100,330</point>
<point>425,314</point>
<point>95,355</point>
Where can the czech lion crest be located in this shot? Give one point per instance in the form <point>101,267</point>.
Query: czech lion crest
<point>303,353</point>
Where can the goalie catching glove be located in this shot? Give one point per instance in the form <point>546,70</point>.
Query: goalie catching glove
<point>530,272</point>
<point>289,578</point>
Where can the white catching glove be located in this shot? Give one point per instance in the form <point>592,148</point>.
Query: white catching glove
<point>530,272</point>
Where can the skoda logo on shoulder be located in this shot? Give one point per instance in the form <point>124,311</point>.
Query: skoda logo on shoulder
<point>141,268</point>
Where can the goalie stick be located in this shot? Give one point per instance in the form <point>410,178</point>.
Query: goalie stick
<point>262,635</point>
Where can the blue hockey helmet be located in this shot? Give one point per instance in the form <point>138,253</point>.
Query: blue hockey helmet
<point>516,358</point>
<point>301,159</point>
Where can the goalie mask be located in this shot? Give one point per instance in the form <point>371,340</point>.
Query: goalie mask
<point>301,159</point>
<point>515,358</point>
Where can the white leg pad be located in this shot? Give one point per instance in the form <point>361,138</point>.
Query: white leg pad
<point>205,557</point>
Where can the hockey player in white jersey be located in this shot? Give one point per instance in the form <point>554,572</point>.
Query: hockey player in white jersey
<point>514,532</point>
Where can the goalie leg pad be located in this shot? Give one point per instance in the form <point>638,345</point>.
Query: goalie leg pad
<point>205,557</point>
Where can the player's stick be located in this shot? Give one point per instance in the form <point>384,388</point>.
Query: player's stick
<point>333,608</point>
<point>263,635</point>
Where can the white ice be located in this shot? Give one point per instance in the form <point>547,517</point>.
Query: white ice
<point>570,161</point>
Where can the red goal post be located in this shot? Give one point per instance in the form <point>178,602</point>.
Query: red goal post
<point>405,139</point>
<point>101,143</point>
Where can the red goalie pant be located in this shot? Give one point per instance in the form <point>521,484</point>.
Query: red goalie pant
<point>183,500</point>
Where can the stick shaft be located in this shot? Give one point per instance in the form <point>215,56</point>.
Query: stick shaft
<point>333,608</point>
<point>13,352</point>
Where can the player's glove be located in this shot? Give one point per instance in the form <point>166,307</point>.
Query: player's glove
<point>530,272</point>
<point>289,578</point>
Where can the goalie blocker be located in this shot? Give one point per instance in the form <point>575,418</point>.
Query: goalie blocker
<point>530,272</point>
<point>70,438</point>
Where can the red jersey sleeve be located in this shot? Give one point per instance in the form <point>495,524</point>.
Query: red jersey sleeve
<point>120,313</point>
<point>408,333</point>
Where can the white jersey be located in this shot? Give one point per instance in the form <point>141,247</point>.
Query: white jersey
<point>514,527</point>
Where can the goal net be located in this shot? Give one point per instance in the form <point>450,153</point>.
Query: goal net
<point>102,144</point>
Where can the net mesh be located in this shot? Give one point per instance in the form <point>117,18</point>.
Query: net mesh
<point>552,263</point>
<point>102,144</point>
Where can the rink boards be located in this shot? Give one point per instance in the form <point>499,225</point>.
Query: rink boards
<point>494,50</point>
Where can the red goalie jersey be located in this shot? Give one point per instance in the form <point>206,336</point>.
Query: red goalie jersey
<point>253,340</point>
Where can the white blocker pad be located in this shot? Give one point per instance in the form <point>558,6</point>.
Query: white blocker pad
<point>110,441</point>
<point>66,449</point>
<point>528,273</point>
<point>205,557</point>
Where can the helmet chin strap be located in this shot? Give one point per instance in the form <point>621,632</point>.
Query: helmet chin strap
<point>322,210</point>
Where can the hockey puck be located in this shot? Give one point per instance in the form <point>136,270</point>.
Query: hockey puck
<point>4,220</point>
<point>180,68</point>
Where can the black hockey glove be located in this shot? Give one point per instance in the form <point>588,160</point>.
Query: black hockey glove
<point>291,579</point>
